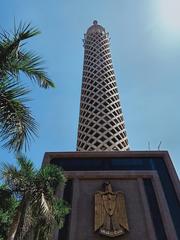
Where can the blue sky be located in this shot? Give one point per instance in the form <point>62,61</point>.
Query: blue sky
<point>145,47</point>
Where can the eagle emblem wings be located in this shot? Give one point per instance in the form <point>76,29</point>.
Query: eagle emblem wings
<point>110,212</point>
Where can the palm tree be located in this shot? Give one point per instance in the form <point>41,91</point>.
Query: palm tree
<point>39,211</point>
<point>17,126</point>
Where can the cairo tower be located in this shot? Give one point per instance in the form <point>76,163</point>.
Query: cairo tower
<point>101,122</point>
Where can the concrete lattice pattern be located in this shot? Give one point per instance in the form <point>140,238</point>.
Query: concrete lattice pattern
<point>101,123</point>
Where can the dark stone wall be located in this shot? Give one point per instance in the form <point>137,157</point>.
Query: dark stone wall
<point>148,180</point>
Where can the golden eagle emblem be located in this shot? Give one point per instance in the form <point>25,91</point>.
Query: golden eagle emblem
<point>110,212</point>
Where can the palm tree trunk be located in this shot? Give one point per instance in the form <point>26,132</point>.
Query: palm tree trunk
<point>23,222</point>
<point>37,232</point>
<point>15,223</point>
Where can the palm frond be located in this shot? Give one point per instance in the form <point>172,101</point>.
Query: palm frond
<point>51,175</point>
<point>45,209</point>
<point>25,31</point>
<point>41,205</point>
<point>13,59</point>
<point>17,126</point>
<point>30,64</point>
<point>25,165</point>
<point>8,171</point>
<point>60,210</point>
<point>10,42</point>
<point>10,174</point>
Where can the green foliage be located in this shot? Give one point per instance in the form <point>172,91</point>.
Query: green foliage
<point>60,209</point>
<point>17,126</point>
<point>39,211</point>
<point>16,122</point>
<point>8,206</point>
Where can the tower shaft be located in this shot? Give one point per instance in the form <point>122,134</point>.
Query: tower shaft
<point>101,123</point>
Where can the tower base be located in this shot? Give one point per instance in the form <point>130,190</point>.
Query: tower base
<point>147,179</point>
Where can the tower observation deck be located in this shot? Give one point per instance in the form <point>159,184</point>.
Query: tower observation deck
<point>101,123</point>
